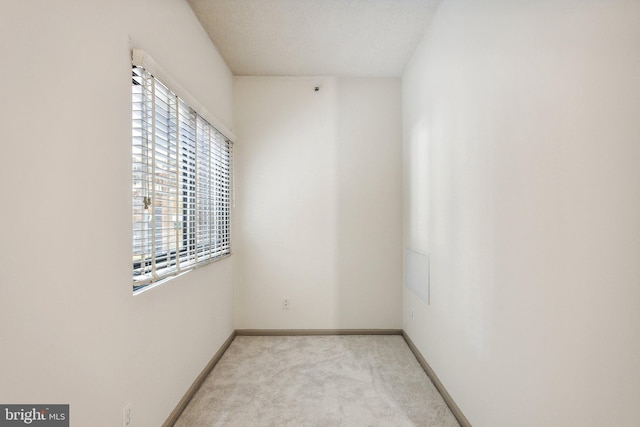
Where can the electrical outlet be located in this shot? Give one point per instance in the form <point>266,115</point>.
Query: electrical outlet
<point>285,303</point>
<point>127,416</point>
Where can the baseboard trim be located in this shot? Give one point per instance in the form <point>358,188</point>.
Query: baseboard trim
<point>307,332</point>
<point>182,404</point>
<point>462,420</point>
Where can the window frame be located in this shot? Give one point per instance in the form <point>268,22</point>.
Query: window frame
<point>182,179</point>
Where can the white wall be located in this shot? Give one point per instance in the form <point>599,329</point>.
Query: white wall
<point>318,191</point>
<point>70,328</point>
<point>521,140</point>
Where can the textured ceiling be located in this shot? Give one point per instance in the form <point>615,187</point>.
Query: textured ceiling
<point>315,37</point>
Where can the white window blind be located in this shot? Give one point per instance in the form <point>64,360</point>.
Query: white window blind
<point>182,184</point>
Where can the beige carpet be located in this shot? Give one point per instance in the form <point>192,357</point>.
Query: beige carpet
<point>317,381</point>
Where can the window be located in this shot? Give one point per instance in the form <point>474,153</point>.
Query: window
<point>182,172</point>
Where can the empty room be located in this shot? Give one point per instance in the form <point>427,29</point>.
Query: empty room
<point>320,212</point>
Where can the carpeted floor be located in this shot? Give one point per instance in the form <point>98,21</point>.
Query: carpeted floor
<point>361,380</point>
